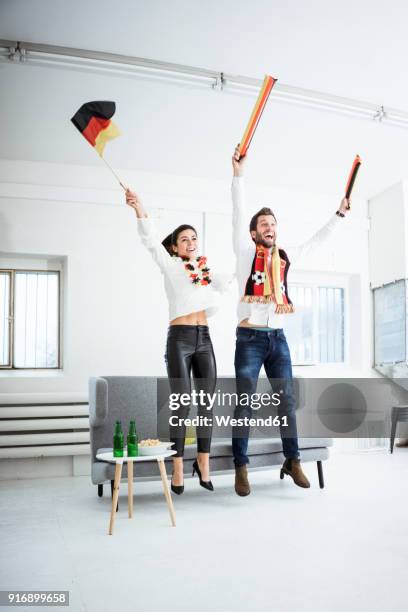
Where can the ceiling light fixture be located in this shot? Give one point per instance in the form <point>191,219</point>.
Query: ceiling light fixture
<point>126,65</point>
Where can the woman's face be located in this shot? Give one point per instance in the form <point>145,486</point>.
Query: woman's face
<point>187,244</point>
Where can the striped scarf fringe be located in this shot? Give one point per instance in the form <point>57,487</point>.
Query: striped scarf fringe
<point>269,299</point>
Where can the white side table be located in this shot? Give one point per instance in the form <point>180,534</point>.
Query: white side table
<point>118,473</point>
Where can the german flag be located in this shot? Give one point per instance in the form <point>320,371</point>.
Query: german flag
<point>94,122</point>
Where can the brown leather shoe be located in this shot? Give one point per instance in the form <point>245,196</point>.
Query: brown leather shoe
<point>242,487</point>
<point>292,468</point>
<point>403,443</point>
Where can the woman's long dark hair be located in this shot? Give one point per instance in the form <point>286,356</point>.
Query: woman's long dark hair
<point>171,239</point>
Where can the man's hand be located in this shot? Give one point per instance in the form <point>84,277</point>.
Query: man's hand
<point>238,162</point>
<point>345,205</point>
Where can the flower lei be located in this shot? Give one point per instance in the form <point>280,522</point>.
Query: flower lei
<point>198,271</point>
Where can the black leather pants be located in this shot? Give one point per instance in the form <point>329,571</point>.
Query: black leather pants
<point>190,351</point>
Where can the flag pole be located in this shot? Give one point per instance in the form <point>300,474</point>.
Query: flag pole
<point>114,173</point>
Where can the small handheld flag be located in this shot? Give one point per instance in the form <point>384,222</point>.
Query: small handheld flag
<point>94,122</point>
<point>263,96</point>
<point>352,176</point>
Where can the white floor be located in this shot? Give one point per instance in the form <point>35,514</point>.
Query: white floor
<point>282,548</point>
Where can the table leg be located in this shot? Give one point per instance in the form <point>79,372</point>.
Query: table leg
<point>166,491</point>
<point>130,488</point>
<point>118,474</point>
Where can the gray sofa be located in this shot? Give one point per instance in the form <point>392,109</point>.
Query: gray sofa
<point>122,398</point>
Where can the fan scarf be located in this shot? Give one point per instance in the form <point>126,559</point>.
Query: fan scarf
<point>197,270</point>
<point>269,283</point>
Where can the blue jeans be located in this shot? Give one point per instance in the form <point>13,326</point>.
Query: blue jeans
<point>254,349</point>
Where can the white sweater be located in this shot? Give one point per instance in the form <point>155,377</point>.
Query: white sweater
<point>183,296</point>
<point>263,315</point>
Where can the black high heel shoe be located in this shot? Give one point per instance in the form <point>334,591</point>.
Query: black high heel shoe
<point>206,484</point>
<point>177,489</point>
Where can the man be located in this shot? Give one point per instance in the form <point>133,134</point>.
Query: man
<point>262,270</point>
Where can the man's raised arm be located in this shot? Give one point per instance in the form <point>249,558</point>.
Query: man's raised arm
<point>240,235</point>
<point>321,236</point>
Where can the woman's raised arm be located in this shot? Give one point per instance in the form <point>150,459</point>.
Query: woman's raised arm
<point>147,231</point>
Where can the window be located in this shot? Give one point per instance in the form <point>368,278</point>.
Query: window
<point>331,324</point>
<point>29,319</point>
<point>5,318</point>
<point>316,330</point>
<point>390,305</point>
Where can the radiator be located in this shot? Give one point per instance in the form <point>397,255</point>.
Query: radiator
<point>44,427</point>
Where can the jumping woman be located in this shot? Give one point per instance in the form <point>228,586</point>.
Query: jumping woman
<point>193,293</point>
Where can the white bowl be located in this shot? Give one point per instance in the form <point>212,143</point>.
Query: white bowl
<point>158,449</point>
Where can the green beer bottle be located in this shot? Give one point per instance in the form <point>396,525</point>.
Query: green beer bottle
<point>118,440</point>
<point>132,448</point>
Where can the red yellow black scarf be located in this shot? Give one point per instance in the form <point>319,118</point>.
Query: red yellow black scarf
<point>268,283</point>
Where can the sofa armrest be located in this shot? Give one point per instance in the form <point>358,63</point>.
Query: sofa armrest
<point>98,401</point>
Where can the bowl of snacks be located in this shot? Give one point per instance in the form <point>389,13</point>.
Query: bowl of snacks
<point>152,446</point>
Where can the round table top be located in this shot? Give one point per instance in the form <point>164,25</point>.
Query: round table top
<point>111,459</point>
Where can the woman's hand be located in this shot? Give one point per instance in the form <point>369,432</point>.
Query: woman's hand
<point>238,162</point>
<point>133,200</point>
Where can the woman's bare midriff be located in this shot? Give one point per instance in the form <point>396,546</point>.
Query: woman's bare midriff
<point>194,318</point>
<point>245,323</point>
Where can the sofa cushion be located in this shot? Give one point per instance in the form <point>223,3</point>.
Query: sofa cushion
<point>222,447</point>
<point>263,453</point>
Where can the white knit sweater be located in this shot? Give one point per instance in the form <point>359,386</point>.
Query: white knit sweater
<point>183,296</point>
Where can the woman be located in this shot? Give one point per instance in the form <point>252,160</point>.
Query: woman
<point>193,293</point>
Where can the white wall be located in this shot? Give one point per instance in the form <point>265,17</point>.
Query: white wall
<point>115,311</point>
<point>388,236</point>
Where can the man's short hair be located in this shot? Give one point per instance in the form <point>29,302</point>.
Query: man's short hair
<point>254,221</point>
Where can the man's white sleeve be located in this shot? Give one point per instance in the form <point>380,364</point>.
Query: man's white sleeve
<point>240,222</point>
<point>305,249</point>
